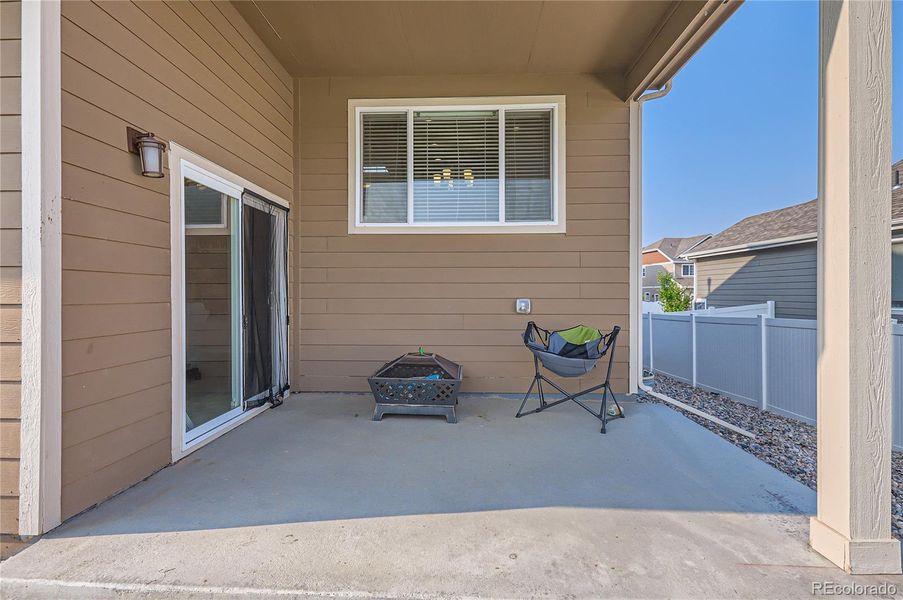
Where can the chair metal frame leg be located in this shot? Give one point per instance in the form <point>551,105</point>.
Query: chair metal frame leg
<point>605,386</point>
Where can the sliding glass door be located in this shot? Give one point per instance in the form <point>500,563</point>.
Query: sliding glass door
<point>264,290</point>
<point>212,303</point>
<point>235,301</point>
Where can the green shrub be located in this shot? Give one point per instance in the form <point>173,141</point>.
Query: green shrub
<point>672,296</point>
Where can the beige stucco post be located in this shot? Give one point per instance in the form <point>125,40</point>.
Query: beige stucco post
<point>852,528</point>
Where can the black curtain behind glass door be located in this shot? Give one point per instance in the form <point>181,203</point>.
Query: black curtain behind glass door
<point>257,273</point>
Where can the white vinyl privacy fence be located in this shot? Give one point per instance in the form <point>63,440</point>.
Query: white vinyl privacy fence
<point>761,361</point>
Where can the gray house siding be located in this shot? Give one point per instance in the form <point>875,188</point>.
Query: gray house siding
<point>650,279</point>
<point>786,275</point>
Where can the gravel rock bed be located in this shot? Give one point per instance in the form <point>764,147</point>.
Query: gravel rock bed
<point>786,444</point>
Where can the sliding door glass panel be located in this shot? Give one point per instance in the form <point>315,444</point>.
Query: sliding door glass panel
<point>280,294</point>
<point>265,300</point>
<point>212,277</point>
<point>257,242</point>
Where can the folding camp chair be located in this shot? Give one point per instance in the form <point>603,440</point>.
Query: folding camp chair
<point>571,352</point>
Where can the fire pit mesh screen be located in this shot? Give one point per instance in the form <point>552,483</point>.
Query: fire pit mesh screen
<point>404,381</point>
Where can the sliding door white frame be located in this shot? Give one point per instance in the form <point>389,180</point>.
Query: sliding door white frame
<point>185,163</point>
<point>233,194</point>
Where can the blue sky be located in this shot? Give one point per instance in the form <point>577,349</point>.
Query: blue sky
<point>738,133</point>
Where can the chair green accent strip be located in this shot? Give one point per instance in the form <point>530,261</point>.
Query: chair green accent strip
<point>580,335</point>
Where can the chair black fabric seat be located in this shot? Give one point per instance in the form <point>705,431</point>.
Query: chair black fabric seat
<point>572,352</point>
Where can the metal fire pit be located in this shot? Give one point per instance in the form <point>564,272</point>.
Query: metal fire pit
<point>417,384</point>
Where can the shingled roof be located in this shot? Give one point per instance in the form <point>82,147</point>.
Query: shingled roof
<point>673,247</point>
<point>793,221</point>
<point>797,221</point>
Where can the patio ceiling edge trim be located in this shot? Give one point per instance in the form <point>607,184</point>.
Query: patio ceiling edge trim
<point>656,65</point>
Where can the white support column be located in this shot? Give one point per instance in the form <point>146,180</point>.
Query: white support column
<point>852,528</point>
<point>635,297</point>
<point>635,270</point>
<point>40,452</point>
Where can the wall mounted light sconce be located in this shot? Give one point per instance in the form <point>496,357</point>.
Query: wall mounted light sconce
<point>149,148</point>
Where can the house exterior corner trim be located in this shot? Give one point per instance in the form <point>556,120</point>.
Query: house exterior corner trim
<point>41,422</point>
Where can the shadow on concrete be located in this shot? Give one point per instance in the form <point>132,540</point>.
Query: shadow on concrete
<point>319,457</point>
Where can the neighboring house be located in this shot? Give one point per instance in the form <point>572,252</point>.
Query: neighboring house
<point>665,255</point>
<point>772,256</point>
<point>387,182</point>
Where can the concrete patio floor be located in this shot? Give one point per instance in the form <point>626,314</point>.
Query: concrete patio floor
<point>313,499</point>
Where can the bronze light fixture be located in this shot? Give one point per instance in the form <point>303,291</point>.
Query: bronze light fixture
<point>149,148</point>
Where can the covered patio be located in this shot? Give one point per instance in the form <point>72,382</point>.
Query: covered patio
<point>325,502</point>
<point>312,498</point>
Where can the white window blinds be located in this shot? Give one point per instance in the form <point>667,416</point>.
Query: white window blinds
<point>456,166</point>
<point>384,167</point>
<point>528,165</point>
<point>430,165</point>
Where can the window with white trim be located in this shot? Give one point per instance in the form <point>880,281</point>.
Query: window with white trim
<point>465,165</point>
<point>687,270</point>
<point>207,208</point>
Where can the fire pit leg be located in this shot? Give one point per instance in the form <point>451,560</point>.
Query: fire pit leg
<point>415,409</point>
<point>450,415</point>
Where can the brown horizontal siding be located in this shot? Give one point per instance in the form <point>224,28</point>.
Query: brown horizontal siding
<point>463,306</point>
<point>181,61</point>
<point>9,477</point>
<point>194,74</point>
<point>9,514</point>
<point>363,299</point>
<point>101,77</point>
<point>474,242</point>
<point>10,262</point>
<point>9,399</point>
<point>9,441</point>
<point>786,275</point>
<point>527,259</point>
<point>106,480</point>
<point>10,20</point>
<point>10,324</point>
<point>10,140</point>
<point>469,275</point>
<point>10,95</point>
<point>461,289</point>
<point>93,387</point>
<point>11,57</point>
